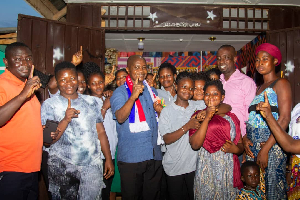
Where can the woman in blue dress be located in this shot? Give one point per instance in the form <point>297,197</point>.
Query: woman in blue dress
<point>259,143</point>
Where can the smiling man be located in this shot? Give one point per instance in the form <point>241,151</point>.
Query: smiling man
<point>21,130</point>
<point>239,88</point>
<point>139,156</point>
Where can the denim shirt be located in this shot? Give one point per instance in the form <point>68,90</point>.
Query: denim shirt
<point>141,146</point>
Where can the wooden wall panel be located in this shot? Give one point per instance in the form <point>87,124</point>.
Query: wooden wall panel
<point>296,59</point>
<point>97,47</point>
<point>84,40</point>
<point>86,15</point>
<point>24,33</point>
<point>45,37</point>
<point>96,16</point>
<point>38,44</point>
<point>288,40</point>
<point>71,41</point>
<point>73,12</point>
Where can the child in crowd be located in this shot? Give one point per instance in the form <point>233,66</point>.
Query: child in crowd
<point>116,183</point>
<point>179,160</point>
<point>213,74</point>
<point>200,79</point>
<point>74,156</point>
<point>219,140</point>
<point>96,84</point>
<point>150,78</point>
<point>167,76</point>
<point>251,178</point>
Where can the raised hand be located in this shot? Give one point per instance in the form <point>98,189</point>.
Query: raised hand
<point>154,77</point>
<point>264,107</point>
<point>111,76</point>
<point>32,84</point>
<point>77,57</point>
<point>137,89</point>
<point>210,111</point>
<point>71,112</point>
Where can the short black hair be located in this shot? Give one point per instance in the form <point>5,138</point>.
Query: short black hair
<point>228,46</point>
<point>121,70</point>
<point>64,65</point>
<point>248,164</point>
<point>200,76</point>
<point>183,75</point>
<point>14,45</point>
<point>167,65</point>
<point>212,71</point>
<point>216,83</point>
<point>91,68</point>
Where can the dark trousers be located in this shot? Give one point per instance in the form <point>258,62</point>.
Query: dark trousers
<point>108,182</point>
<point>140,180</point>
<point>181,187</point>
<point>19,186</point>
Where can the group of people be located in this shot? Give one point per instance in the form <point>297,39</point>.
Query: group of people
<point>206,135</point>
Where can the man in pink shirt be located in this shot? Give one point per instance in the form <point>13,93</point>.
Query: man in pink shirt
<point>239,89</point>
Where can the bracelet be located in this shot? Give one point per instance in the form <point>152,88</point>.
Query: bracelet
<point>288,171</point>
<point>182,129</point>
<point>103,109</point>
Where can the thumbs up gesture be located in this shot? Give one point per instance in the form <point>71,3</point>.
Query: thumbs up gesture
<point>71,112</point>
<point>137,89</point>
<point>77,57</point>
<point>264,107</point>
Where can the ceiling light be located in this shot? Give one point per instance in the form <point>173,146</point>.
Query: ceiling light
<point>212,38</point>
<point>141,43</point>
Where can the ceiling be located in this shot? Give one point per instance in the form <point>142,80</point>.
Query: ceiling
<point>128,42</point>
<point>235,2</point>
<point>179,42</point>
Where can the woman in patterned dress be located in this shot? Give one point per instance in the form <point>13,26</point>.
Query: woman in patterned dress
<point>259,143</point>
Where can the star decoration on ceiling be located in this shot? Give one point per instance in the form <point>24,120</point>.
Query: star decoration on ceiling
<point>57,54</point>
<point>152,16</point>
<point>211,15</point>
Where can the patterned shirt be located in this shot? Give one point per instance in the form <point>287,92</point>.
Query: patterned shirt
<point>251,195</point>
<point>79,144</point>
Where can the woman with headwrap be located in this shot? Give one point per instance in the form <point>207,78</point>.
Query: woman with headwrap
<point>260,144</point>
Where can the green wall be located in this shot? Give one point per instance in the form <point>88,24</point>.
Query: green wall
<point>2,55</point>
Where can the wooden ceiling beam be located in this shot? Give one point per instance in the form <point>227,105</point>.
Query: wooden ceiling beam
<point>60,14</point>
<point>47,9</point>
<point>7,41</point>
<point>9,35</point>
